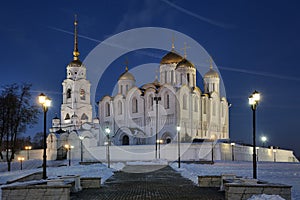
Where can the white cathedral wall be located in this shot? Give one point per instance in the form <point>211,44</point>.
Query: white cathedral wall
<point>190,152</point>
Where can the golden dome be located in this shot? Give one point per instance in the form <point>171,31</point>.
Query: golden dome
<point>75,63</point>
<point>127,76</point>
<point>171,57</point>
<point>185,63</point>
<point>211,74</point>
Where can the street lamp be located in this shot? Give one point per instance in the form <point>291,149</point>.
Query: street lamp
<point>81,151</point>
<point>45,102</point>
<point>254,99</point>
<point>257,155</point>
<point>21,159</point>
<point>27,148</point>
<point>232,150</point>
<point>263,139</point>
<point>159,142</point>
<point>69,147</point>
<point>107,131</point>
<point>178,143</point>
<point>156,99</point>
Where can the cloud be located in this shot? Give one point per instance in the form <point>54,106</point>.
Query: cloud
<point>204,19</point>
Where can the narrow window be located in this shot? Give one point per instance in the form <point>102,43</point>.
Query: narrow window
<point>107,109</point>
<point>69,91</point>
<point>120,107</point>
<point>82,94</point>
<point>134,105</point>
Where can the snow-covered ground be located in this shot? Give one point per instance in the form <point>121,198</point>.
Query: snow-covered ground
<point>57,168</point>
<point>285,173</point>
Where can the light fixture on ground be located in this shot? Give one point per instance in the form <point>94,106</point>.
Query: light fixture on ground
<point>263,140</point>
<point>232,150</point>
<point>254,99</point>
<point>178,143</point>
<point>107,131</point>
<point>274,154</point>
<point>69,147</point>
<point>21,159</point>
<point>81,150</point>
<point>159,142</point>
<point>45,102</point>
<point>28,148</point>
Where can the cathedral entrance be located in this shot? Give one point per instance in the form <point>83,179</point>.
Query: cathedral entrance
<point>125,140</point>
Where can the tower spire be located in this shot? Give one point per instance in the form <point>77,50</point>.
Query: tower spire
<point>173,40</point>
<point>184,49</point>
<point>210,63</point>
<point>75,52</point>
<point>126,65</point>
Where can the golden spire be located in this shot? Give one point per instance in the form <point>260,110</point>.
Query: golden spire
<point>126,65</point>
<point>75,52</point>
<point>173,40</point>
<point>184,49</point>
<point>210,62</point>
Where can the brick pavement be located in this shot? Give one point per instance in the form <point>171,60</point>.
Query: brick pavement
<point>164,183</point>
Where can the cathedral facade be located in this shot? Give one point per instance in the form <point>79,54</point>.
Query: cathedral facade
<point>140,115</point>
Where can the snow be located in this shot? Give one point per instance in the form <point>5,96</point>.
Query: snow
<point>153,162</point>
<point>284,173</point>
<point>266,197</point>
<point>55,169</point>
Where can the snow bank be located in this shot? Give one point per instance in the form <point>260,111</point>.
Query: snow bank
<point>266,197</point>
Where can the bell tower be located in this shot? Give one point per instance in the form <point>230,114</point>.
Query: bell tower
<point>76,107</point>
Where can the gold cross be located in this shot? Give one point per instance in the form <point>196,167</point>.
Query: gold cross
<point>184,49</point>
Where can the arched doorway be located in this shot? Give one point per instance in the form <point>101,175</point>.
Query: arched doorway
<point>125,140</point>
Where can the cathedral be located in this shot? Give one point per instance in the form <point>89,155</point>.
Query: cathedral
<point>141,115</point>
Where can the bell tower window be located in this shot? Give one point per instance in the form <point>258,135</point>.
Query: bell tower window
<point>82,94</point>
<point>69,91</point>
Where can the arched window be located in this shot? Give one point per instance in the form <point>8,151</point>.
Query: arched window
<point>107,109</point>
<point>125,140</point>
<point>69,92</point>
<point>184,102</point>
<point>167,101</point>
<point>134,105</point>
<point>188,78</point>
<point>204,106</point>
<point>120,107</point>
<point>82,94</point>
<point>84,117</point>
<point>150,102</point>
<point>196,101</point>
<point>67,117</point>
<point>214,108</point>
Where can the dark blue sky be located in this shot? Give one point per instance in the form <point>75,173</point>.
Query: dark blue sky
<point>255,44</point>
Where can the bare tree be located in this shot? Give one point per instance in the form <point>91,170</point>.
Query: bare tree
<point>16,114</point>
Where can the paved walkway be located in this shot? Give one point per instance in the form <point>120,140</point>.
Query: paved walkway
<point>164,183</point>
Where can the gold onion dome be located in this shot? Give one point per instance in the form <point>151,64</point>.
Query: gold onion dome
<point>126,75</point>
<point>211,74</point>
<point>185,63</point>
<point>171,57</point>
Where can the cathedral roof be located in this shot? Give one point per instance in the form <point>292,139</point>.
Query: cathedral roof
<point>185,63</point>
<point>171,57</point>
<point>126,76</point>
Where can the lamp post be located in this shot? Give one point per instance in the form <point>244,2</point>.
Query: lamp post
<point>264,140</point>
<point>107,131</point>
<point>21,159</point>
<point>159,142</point>
<point>254,99</point>
<point>81,150</point>
<point>232,150</point>
<point>156,99</point>
<point>178,143</point>
<point>69,147</point>
<point>27,148</point>
<point>45,102</point>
